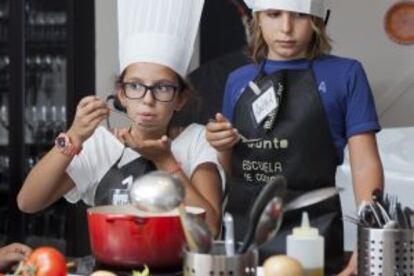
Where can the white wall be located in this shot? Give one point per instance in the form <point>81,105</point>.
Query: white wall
<point>106,46</point>
<point>357,29</point>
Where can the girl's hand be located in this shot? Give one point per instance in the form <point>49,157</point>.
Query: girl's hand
<point>158,151</point>
<point>13,253</point>
<point>220,134</point>
<point>90,112</point>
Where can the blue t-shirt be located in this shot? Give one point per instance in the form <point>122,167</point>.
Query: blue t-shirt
<point>343,88</point>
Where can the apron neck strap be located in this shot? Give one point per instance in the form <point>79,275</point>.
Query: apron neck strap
<point>120,157</point>
<point>310,64</point>
<point>261,72</point>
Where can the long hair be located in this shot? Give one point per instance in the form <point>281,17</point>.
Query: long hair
<point>320,42</point>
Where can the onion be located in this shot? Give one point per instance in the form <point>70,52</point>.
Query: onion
<point>282,265</point>
<point>103,273</point>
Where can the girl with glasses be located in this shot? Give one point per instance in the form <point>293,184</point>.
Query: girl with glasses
<point>89,161</point>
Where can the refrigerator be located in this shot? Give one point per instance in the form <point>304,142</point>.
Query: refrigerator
<point>47,64</point>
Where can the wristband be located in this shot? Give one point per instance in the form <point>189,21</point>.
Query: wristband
<point>65,146</point>
<point>173,169</point>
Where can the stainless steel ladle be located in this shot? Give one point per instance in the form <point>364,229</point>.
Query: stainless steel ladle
<point>156,192</point>
<point>160,192</point>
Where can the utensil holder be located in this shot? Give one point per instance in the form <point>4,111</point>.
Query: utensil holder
<point>217,263</point>
<point>383,252</point>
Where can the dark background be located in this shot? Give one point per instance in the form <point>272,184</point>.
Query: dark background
<point>222,40</point>
<point>222,49</point>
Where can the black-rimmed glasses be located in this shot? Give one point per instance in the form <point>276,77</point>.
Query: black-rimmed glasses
<point>160,92</point>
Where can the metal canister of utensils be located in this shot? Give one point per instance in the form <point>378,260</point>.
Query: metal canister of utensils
<point>385,251</point>
<point>218,263</point>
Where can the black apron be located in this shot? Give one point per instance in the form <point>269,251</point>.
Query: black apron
<point>118,178</point>
<point>297,143</point>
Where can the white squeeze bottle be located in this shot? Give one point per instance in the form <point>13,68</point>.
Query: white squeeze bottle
<point>307,246</point>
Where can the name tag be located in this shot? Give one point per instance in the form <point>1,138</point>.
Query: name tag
<point>265,104</point>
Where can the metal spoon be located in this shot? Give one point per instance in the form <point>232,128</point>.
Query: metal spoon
<point>112,97</point>
<point>123,114</point>
<point>311,198</point>
<point>272,216</point>
<point>202,239</point>
<point>249,140</point>
<point>277,187</point>
<point>228,233</point>
<point>269,222</point>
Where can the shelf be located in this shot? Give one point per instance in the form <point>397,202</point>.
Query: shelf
<point>74,43</point>
<point>32,149</point>
<point>4,188</point>
<point>49,47</point>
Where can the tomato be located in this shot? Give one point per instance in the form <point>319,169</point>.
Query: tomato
<point>45,261</point>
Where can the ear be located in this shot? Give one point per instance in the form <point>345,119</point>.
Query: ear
<point>121,97</point>
<point>181,99</point>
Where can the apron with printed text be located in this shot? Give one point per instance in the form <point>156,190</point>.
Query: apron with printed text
<point>113,187</point>
<point>284,111</point>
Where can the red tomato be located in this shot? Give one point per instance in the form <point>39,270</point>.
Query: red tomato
<point>45,261</point>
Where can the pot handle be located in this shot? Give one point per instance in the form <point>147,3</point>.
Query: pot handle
<point>137,220</point>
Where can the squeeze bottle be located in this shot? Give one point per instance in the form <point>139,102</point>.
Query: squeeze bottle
<point>307,246</point>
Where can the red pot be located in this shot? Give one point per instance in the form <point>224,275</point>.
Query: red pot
<point>123,236</point>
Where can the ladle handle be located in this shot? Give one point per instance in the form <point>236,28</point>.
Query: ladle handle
<point>229,234</point>
<point>188,237</point>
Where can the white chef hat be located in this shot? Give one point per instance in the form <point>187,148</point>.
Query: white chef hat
<point>158,31</point>
<point>312,7</point>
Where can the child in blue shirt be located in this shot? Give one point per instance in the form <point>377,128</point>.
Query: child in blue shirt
<point>300,107</point>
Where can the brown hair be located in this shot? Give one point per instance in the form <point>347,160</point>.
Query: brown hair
<point>320,43</point>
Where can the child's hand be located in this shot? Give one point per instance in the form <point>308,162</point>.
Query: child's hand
<point>156,150</point>
<point>220,133</point>
<point>13,253</point>
<point>89,113</point>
